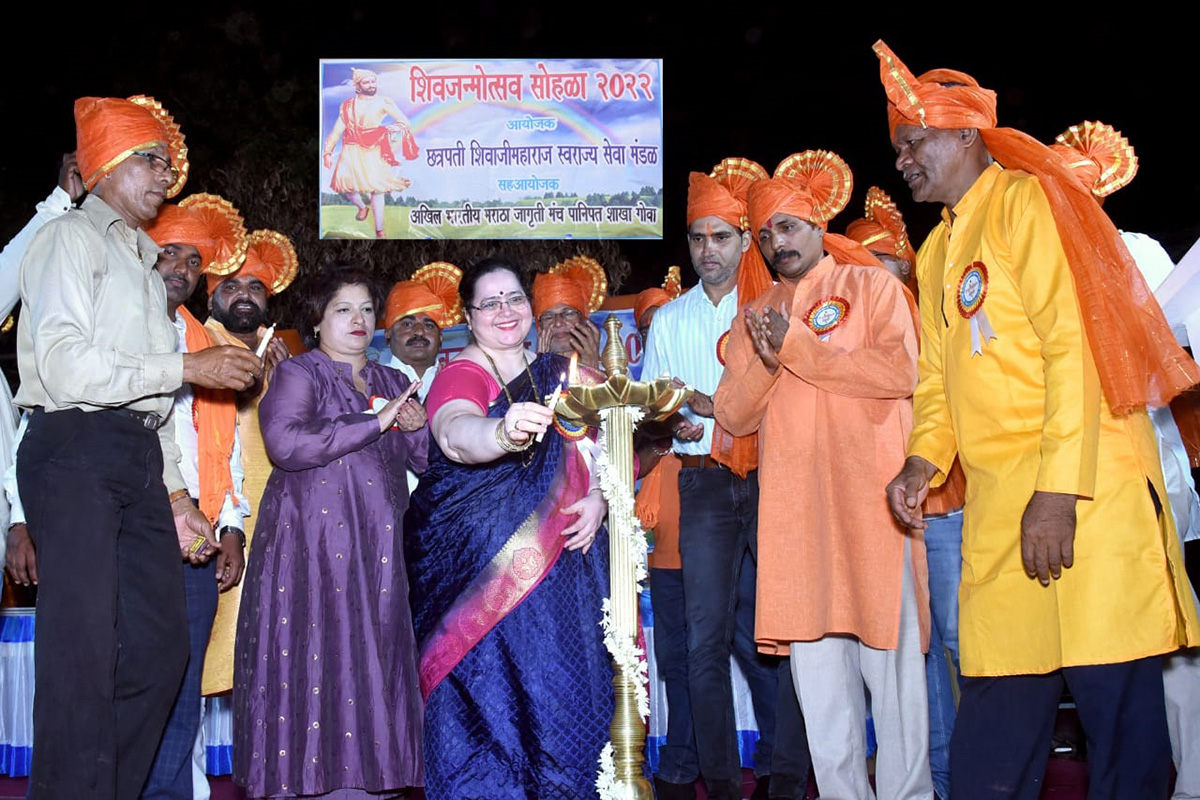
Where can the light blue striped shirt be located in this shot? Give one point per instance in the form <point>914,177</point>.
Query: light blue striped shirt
<point>682,343</point>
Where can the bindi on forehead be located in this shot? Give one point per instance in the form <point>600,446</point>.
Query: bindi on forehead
<point>708,229</point>
<point>770,224</point>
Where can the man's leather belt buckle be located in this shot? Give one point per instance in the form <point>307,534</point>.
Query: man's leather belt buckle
<point>148,419</point>
<point>700,462</point>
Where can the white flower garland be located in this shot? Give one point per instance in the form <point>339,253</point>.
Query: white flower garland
<point>625,651</point>
<point>606,781</point>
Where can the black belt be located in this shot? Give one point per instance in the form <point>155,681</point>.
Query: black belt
<point>700,462</point>
<point>147,419</point>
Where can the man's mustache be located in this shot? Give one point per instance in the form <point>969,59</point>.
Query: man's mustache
<point>418,339</point>
<point>784,255</point>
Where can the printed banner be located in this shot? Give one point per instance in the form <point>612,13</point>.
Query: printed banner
<point>492,149</point>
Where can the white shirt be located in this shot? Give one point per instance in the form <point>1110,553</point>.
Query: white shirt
<point>389,359</point>
<point>1155,265</point>
<point>187,438</point>
<point>682,343</point>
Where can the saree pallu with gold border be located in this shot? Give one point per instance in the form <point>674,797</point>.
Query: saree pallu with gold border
<point>513,666</point>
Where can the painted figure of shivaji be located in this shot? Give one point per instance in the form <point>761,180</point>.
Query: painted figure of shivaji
<point>365,164</point>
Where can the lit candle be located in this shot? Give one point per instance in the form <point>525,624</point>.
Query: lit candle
<point>552,402</point>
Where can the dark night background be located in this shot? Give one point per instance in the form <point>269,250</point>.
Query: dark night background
<point>760,82</point>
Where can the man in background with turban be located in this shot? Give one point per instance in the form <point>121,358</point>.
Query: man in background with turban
<point>238,304</point>
<point>822,365</point>
<point>883,232</point>
<point>366,162</point>
<point>1041,348</point>
<point>562,301</point>
<point>718,500</point>
<point>416,312</point>
<point>98,469</point>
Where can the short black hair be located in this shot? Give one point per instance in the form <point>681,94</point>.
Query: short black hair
<point>319,290</point>
<point>472,274</point>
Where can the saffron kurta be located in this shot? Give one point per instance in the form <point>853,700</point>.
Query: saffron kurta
<point>326,695</point>
<point>218,661</point>
<point>1026,414</point>
<point>833,422</point>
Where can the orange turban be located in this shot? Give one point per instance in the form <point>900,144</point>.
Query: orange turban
<point>1138,359</point>
<point>882,230</point>
<point>653,298</point>
<point>1098,155</point>
<point>432,290</point>
<point>550,289</point>
<point>925,102</point>
<point>270,257</point>
<point>109,130</point>
<point>410,297</point>
<point>208,223</point>
<point>578,282</point>
<point>722,193</point>
<point>813,186</point>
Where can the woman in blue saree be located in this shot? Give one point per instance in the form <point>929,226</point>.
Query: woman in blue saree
<point>508,564</point>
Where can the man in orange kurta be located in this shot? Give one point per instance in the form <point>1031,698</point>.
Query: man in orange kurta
<point>823,365</point>
<point>883,232</point>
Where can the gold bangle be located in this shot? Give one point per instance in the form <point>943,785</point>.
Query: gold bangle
<point>505,441</point>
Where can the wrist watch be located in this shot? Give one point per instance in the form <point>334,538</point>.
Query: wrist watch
<point>229,529</point>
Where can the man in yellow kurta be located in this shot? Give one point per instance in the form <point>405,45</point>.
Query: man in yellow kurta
<point>237,306</point>
<point>822,365</point>
<point>1040,348</point>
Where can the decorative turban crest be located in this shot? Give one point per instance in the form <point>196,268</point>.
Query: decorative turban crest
<point>928,101</point>
<point>1099,155</point>
<point>882,229</point>
<point>672,286</point>
<point>270,257</point>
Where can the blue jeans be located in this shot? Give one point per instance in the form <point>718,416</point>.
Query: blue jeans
<point>717,526</point>
<point>677,757</point>
<point>171,774</point>
<point>943,551</point>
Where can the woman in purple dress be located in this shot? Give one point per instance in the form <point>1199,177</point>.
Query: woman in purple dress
<point>326,696</point>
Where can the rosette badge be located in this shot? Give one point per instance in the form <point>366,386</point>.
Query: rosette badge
<point>972,291</point>
<point>825,315</point>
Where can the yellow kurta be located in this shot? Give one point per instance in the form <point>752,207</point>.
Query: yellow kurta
<point>218,662</point>
<point>833,421</point>
<point>1027,414</point>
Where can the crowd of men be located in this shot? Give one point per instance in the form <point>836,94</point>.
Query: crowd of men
<point>887,458</point>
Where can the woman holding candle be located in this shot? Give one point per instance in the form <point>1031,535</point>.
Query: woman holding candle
<point>326,699</point>
<point>509,564</point>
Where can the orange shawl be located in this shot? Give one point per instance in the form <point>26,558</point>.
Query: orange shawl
<point>215,415</point>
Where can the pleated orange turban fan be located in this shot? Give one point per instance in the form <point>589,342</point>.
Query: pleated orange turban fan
<point>270,257</point>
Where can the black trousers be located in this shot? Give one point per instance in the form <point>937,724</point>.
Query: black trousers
<point>111,642</point>
<point>1002,736</point>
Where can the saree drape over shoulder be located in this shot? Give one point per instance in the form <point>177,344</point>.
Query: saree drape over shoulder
<point>512,661</point>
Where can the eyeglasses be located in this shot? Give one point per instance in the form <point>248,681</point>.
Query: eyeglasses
<point>408,325</point>
<point>159,164</point>
<point>570,316</point>
<point>493,305</point>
